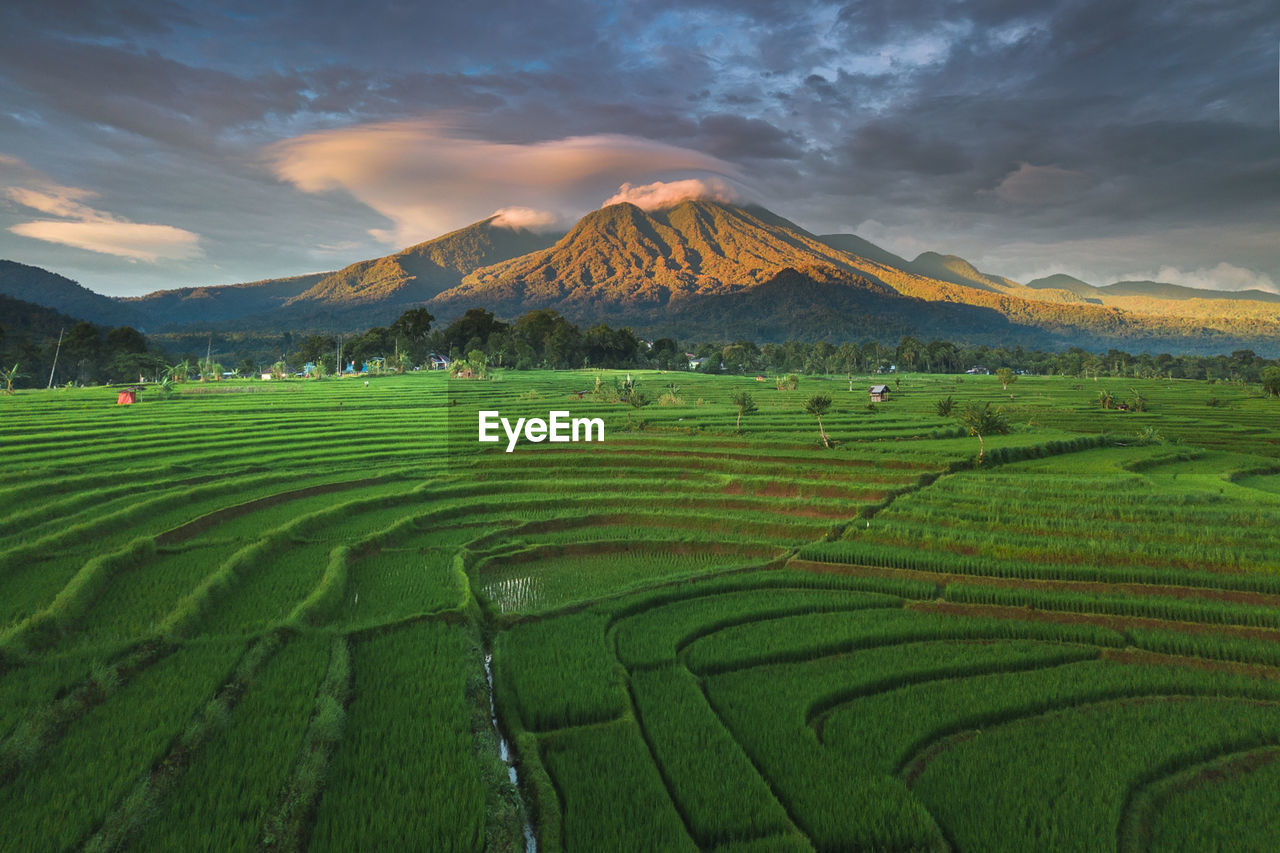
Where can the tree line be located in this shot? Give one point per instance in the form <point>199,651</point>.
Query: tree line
<point>546,339</point>
<point>543,338</point>
<point>88,354</point>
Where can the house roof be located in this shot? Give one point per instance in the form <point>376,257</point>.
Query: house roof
<point>879,389</point>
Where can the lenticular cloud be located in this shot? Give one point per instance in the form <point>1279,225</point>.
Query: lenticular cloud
<point>433,174</point>
<point>524,217</point>
<point>664,194</point>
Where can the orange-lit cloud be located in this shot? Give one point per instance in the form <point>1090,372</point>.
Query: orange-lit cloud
<point>525,217</point>
<point>664,194</point>
<point>131,240</point>
<point>426,177</point>
<point>54,200</point>
<point>85,227</point>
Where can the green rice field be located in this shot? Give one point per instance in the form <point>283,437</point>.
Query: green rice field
<point>319,615</point>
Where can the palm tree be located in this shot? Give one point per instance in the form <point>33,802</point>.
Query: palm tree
<point>744,404</point>
<point>179,372</point>
<point>818,405</point>
<point>983,420</point>
<point>9,377</point>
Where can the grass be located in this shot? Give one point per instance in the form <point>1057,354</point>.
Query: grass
<point>66,790</point>
<point>407,696</point>
<point>231,784</point>
<point>700,639</point>
<point>1089,758</point>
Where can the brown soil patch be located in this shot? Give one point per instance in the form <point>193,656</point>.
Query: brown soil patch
<point>804,490</point>
<point>1236,767</point>
<point>1116,623</point>
<point>1137,656</point>
<point>210,520</point>
<point>641,547</point>
<point>1099,587</point>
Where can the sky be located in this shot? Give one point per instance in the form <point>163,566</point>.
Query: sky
<point>155,144</point>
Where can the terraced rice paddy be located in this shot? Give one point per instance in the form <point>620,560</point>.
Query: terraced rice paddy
<point>258,616</point>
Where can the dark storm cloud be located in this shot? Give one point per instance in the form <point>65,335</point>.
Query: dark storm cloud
<point>96,18</point>
<point>980,123</point>
<point>733,137</point>
<point>896,147</point>
<point>145,93</point>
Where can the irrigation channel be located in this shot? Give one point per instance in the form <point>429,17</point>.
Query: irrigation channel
<point>504,752</point>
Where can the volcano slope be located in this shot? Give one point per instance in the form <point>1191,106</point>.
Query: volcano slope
<point>667,271</point>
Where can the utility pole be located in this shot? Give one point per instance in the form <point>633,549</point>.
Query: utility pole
<point>56,353</point>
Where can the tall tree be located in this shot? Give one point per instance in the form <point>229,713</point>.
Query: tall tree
<point>983,420</point>
<point>818,405</point>
<point>744,404</point>
<point>909,350</point>
<point>1271,381</point>
<point>413,326</point>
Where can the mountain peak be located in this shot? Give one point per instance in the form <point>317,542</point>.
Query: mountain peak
<point>1062,281</point>
<point>421,271</point>
<point>956,270</point>
<point>624,256</point>
<point>953,265</point>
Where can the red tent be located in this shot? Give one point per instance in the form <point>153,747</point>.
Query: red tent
<point>126,398</point>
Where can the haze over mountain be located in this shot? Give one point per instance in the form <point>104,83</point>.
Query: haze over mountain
<point>697,268</point>
<point>1162,290</point>
<point>1154,289</point>
<point>357,296</point>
